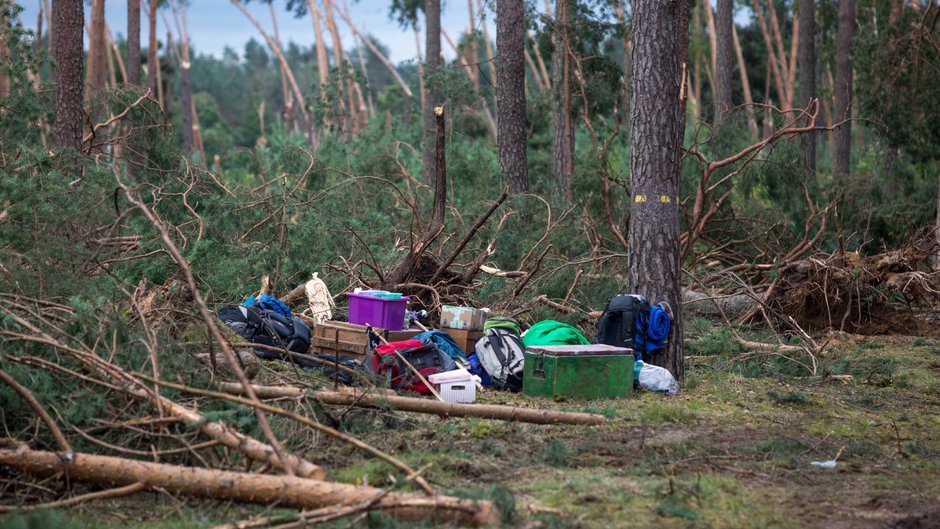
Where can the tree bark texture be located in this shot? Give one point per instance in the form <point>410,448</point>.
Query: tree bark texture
<point>660,51</point>
<point>724,22</point>
<point>807,79</point>
<point>265,489</point>
<point>432,62</point>
<point>510,94</point>
<point>70,24</point>
<point>133,42</point>
<point>323,63</point>
<point>842,147</point>
<point>153,61</point>
<point>98,47</point>
<point>563,139</point>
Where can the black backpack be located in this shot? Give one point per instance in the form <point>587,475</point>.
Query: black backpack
<point>267,327</point>
<point>617,325</point>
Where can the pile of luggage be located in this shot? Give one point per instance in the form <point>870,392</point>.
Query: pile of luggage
<point>494,355</point>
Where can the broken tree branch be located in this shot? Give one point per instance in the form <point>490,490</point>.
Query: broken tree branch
<point>444,409</point>
<point>26,395</point>
<point>286,491</point>
<point>260,406</point>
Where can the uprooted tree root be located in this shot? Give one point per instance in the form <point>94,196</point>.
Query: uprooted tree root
<point>888,293</point>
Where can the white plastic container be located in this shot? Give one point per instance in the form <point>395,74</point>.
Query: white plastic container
<point>456,387</point>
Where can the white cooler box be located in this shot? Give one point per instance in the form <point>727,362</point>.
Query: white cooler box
<point>456,386</point>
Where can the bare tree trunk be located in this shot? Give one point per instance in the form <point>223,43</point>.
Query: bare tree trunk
<point>536,74</point>
<point>168,81</point>
<point>774,65</point>
<point>69,25</point>
<point>432,62</point>
<point>111,51</point>
<point>285,92</point>
<point>133,42</point>
<point>187,107</point>
<point>283,60</point>
<point>842,148</point>
<point>745,84</point>
<point>323,63</point>
<point>285,491</point>
<point>510,94</point>
<point>547,79</point>
<point>487,44</point>
<point>153,59</point>
<point>724,69</point>
<point>563,139</point>
<point>794,47</point>
<point>365,74</point>
<point>421,89</point>
<point>660,51</point>
<point>344,88</point>
<point>807,73</point>
<point>472,48</point>
<point>781,54</point>
<point>98,47</point>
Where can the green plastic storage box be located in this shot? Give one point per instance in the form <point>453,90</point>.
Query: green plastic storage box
<point>586,371</point>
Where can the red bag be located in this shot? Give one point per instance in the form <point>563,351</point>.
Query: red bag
<point>384,365</point>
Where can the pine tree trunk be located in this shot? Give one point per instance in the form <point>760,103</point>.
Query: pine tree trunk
<point>187,108</point>
<point>98,47</point>
<point>133,42</point>
<point>807,76</point>
<point>660,51</point>
<point>153,61</point>
<point>167,81</point>
<point>510,94</point>
<point>432,62</point>
<point>265,489</point>
<point>563,139</point>
<point>842,148</point>
<point>724,20</point>
<point>69,26</point>
<point>344,91</point>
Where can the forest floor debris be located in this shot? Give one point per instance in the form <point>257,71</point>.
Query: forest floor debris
<point>731,451</point>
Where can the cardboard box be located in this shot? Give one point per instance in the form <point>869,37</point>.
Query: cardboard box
<point>455,386</point>
<point>464,318</point>
<point>466,340</point>
<point>350,339</point>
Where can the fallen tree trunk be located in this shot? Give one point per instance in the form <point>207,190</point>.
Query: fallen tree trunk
<point>444,409</point>
<point>285,491</point>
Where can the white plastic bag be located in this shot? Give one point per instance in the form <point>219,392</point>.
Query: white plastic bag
<point>655,378</point>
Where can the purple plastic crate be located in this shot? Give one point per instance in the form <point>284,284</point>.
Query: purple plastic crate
<point>385,313</point>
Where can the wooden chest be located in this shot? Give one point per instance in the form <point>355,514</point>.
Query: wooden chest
<point>349,339</point>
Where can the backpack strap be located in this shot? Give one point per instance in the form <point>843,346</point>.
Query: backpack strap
<point>496,343</point>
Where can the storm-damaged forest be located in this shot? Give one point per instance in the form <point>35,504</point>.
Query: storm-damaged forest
<point>743,193</point>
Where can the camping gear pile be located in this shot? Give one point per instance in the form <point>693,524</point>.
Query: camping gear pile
<point>473,347</point>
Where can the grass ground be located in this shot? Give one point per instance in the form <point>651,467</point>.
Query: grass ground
<point>732,450</point>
